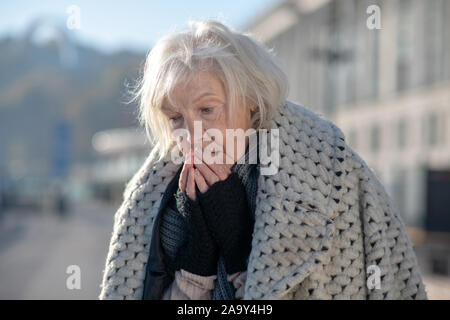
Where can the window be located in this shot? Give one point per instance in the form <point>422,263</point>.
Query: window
<point>399,190</point>
<point>433,41</point>
<point>404,44</point>
<point>401,133</point>
<point>430,129</point>
<point>375,138</point>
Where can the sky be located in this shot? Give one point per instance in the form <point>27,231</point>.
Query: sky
<point>131,24</point>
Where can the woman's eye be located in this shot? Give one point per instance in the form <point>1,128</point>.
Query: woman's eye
<point>175,119</point>
<point>207,110</point>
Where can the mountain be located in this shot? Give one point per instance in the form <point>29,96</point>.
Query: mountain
<point>55,95</point>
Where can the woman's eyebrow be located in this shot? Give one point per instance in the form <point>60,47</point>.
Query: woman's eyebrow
<point>167,109</point>
<point>205,94</point>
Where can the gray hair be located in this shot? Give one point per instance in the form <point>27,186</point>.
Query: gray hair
<point>248,70</point>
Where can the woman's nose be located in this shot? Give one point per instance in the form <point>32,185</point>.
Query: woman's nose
<point>195,132</point>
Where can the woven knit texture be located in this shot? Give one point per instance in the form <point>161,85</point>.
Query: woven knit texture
<point>321,222</point>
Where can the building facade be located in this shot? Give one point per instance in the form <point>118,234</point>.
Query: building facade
<point>381,71</point>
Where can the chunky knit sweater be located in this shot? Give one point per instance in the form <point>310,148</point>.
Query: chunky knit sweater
<point>325,228</point>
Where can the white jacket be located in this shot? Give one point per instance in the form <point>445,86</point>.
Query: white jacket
<point>325,228</point>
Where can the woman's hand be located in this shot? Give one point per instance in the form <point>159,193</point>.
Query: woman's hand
<point>186,182</point>
<point>201,174</point>
<point>223,201</point>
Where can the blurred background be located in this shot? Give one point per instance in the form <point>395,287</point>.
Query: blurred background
<point>69,141</point>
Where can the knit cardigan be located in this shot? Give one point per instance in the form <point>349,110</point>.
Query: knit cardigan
<point>325,228</point>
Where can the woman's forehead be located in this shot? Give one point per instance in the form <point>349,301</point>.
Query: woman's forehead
<point>192,96</point>
<point>199,85</point>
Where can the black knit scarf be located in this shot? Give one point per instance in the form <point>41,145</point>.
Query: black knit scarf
<point>173,228</point>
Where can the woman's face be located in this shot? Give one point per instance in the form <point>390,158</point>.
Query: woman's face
<point>204,99</point>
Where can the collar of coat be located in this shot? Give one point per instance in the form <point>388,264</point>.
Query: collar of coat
<point>293,218</point>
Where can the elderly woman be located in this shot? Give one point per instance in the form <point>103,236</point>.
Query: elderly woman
<point>210,215</point>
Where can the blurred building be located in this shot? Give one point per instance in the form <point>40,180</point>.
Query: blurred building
<point>388,89</point>
<point>71,91</point>
<point>121,152</point>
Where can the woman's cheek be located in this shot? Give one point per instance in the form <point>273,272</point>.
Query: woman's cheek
<point>183,144</point>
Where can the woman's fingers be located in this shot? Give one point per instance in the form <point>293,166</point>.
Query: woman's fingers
<point>188,162</point>
<point>220,170</point>
<point>209,176</point>
<point>183,177</point>
<point>190,187</point>
<point>200,181</point>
